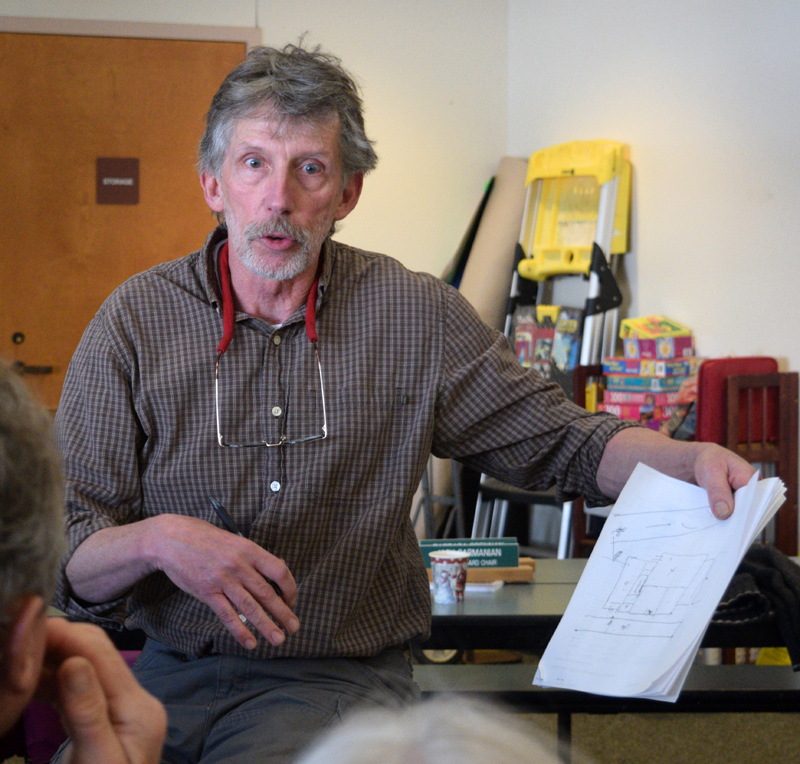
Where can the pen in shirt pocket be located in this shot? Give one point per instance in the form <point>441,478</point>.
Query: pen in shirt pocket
<point>227,521</point>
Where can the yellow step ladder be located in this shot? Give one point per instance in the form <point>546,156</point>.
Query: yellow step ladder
<point>576,222</point>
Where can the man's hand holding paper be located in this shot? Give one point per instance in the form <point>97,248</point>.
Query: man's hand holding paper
<point>718,471</point>
<point>708,465</point>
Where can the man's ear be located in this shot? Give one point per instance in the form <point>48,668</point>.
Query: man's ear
<point>350,195</point>
<point>212,191</point>
<point>24,646</point>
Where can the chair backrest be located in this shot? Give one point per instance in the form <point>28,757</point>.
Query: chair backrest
<point>712,400</point>
<point>762,428</point>
<point>746,405</point>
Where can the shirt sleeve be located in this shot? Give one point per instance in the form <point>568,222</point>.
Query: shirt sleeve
<point>99,437</point>
<point>506,421</point>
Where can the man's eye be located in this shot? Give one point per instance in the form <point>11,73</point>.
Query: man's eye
<point>253,163</point>
<point>311,168</point>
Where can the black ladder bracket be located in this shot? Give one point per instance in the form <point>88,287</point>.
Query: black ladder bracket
<point>610,296</point>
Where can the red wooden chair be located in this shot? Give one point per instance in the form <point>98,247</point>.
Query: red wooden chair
<point>762,428</point>
<point>748,406</point>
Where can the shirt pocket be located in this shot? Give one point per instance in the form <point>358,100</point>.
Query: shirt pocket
<point>369,418</point>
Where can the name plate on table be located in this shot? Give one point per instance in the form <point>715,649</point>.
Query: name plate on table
<point>483,553</point>
<point>490,560</point>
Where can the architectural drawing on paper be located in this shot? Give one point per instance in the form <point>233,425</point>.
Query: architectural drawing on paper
<point>651,592</point>
<point>649,596</point>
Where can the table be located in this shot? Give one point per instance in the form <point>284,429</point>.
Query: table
<point>708,689</point>
<point>524,616</point>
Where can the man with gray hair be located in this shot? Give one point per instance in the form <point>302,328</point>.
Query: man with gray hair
<point>244,429</point>
<point>109,716</point>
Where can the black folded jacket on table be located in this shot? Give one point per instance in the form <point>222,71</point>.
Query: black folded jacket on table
<point>765,582</point>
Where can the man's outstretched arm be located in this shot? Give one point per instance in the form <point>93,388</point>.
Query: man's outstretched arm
<point>708,465</point>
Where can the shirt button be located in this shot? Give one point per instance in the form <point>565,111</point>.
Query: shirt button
<point>275,486</point>
<point>276,339</point>
<point>277,411</point>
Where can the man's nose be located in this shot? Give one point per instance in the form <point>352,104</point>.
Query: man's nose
<point>279,192</point>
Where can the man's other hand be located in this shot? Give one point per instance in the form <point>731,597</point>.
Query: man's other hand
<point>231,574</point>
<point>720,472</point>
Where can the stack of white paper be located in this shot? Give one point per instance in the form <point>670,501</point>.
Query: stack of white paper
<point>659,569</point>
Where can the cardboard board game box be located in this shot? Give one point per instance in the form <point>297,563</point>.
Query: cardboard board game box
<point>649,367</point>
<point>640,398</point>
<point>633,383</point>
<point>658,347</point>
<point>638,413</point>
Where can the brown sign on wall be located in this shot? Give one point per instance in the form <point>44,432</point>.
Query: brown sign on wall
<point>117,180</point>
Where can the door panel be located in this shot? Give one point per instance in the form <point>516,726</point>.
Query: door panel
<point>65,101</point>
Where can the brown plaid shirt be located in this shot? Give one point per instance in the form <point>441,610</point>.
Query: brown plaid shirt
<point>409,369</point>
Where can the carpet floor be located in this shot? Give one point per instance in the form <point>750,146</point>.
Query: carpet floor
<point>679,738</point>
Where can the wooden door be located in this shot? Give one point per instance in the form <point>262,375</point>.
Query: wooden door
<point>65,102</point>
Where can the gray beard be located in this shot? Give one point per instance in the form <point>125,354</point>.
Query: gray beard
<point>295,262</point>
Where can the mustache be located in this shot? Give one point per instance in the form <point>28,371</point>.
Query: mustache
<point>276,227</point>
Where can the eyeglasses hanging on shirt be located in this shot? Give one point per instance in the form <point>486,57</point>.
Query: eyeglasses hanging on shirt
<point>228,311</point>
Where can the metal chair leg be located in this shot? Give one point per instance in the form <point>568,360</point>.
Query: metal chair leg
<point>565,533</point>
<point>499,516</point>
<point>483,514</point>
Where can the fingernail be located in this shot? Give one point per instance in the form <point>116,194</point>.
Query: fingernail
<point>277,637</point>
<point>293,625</point>
<point>250,644</point>
<point>721,510</point>
<point>78,680</point>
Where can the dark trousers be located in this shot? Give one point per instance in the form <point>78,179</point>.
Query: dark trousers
<point>233,710</point>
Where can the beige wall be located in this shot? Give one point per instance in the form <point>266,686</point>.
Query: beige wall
<point>433,75</point>
<point>706,93</point>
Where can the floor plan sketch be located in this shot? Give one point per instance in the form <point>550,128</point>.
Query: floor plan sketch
<point>654,584</point>
<point>648,597</point>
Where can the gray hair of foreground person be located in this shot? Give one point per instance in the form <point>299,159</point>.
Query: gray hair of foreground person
<point>436,731</point>
<point>109,717</point>
<point>293,84</point>
<point>31,497</point>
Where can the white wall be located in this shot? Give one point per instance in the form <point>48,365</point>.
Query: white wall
<point>707,95</point>
<point>433,74</point>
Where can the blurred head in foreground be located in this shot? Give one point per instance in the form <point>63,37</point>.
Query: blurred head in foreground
<point>31,540</point>
<point>439,731</point>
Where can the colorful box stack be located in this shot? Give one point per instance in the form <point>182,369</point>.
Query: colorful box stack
<point>644,385</point>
